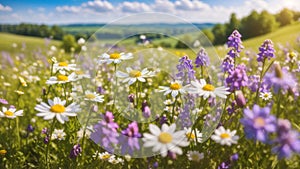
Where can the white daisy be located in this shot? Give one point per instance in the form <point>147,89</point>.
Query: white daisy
<point>206,90</point>
<point>58,134</point>
<point>195,156</point>
<point>165,139</point>
<point>191,136</point>
<point>93,96</point>
<point>115,58</point>
<point>133,75</point>
<point>10,113</point>
<point>60,79</point>
<point>81,41</point>
<point>62,66</point>
<point>265,95</point>
<point>105,156</point>
<point>175,88</point>
<point>80,74</point>
<point>114,160</point>
<point>88,132</point>
<point>223,136</point>
<point>168,102</point>
<point>291,57</point>
<point>56,108</point>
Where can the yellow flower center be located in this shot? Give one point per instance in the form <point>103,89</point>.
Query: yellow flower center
<point>114,56</point>
<point>266,95</point>
<point>3,152</point>
<point>63,64</point>
<point>8,113</point>
<point>190,136</point>
<point>195,157</point>
<point>259,122</point>
<point>62,78</point>
<point>79,72</point>
<point>292,55</point>
<point>90,96</point>
<point>175,86</point>
<point>225,135</point>
<point>57,108</point>
<point>165,138</point>
<point>135,73</point>
<point>105,156</point>
<point>208,87</point>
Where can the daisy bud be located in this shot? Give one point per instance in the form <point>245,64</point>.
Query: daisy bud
<point>278,71</point>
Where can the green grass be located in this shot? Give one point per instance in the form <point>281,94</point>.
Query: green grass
<point>32,43</point>
<point>284,35</point>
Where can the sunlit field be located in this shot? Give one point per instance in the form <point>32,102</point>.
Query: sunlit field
<point>84,96</point>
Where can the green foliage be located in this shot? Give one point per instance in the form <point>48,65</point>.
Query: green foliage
<point>219,32</point>
<point>69,43</point>
<point>34,30</point>
<point>285,17</point>
<point>210,36</point>
<point>267,23</point>
<point>234,23</point>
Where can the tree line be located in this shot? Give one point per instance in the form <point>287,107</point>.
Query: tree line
<point>253,25</point>
<point>54,31</point>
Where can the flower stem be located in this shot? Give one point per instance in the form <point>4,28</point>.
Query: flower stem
<point>173,109</point>
<point>260,80</point>
<point>116,84</point>
<point>18,133</point>
<point>47,149</point>
<point>84,131</point>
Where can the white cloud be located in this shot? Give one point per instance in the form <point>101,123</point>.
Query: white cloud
<point>105,11</point>
<point>5,8</point>
<point>98,6</point>
<point>72,9</point>
<point>132,7</point>
<point>187,5</point>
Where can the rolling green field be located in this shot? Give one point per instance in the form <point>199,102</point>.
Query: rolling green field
<point>32,43</point>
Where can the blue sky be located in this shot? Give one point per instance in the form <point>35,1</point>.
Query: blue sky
<point>100,11</point>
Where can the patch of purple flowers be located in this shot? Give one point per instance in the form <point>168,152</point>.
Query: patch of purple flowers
<point>130,138</point>
<point>105,131</point>
<point>266,51</point>
<point>76,150</point>
<point>185,69</point>
<point>288,141</point>
<point>202,58</point>
<point>235,43</point>
<point>258,123</point>
<point>237,78</point>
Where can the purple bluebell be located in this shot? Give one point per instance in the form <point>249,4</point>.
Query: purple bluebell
<point>202,58</point>
<point>258,123</point>
<point>287,141</point>
<point>131,98</point>
<point>147,112</point>
<point>224,165</point>
<point>3,101</point>
<point>185,69</point>
<point>30,128</point>
<point>237,78</point>
<point>235,42</point>
<point>46,139</point>
<point>266,51</point>
<point>280,79</point>
<point>45,130</point>
<point>227,64</point>
<point>185,116</point>
<point>234,157</point>
<point>76,150</point>
<point>105,131</point>
<point>130,138</point>
<point>100,90</point>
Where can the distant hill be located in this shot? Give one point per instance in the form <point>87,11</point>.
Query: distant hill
<point>111,31</point>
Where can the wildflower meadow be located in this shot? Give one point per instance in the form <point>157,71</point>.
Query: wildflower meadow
<point>145,106</point>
